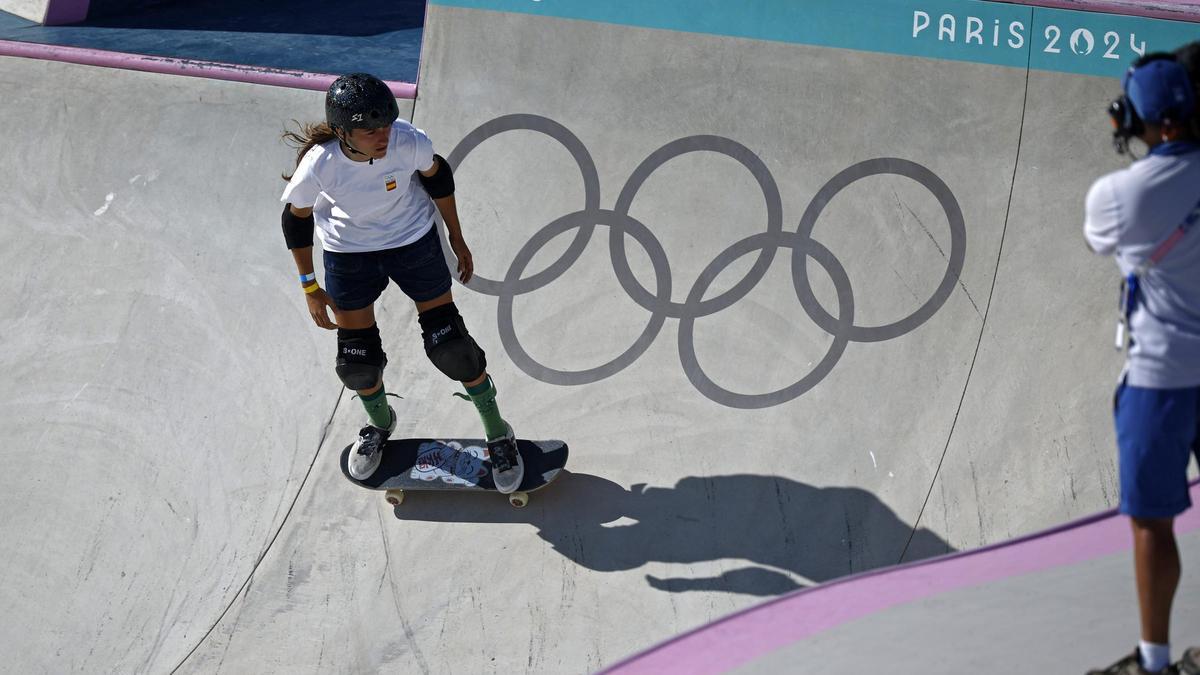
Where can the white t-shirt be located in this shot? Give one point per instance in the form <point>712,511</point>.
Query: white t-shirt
<point>1129,214</point>
<point>366,206</point>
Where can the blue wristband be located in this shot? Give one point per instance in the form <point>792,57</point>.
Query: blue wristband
<point>305,278</point>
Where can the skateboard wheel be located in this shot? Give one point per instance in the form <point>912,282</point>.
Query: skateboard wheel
<point>518,499</point>
<point>394,497</point>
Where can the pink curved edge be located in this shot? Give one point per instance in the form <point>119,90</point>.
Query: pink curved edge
<point>278,77</point>
<point>754,632</point>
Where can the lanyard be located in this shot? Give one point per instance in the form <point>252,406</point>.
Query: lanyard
<point>1170,242</point>
<point>1129,286</point>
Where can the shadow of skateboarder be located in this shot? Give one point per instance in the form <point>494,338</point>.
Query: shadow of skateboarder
<point>792,532</point>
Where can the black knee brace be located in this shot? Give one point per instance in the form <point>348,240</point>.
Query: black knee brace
<point>360,358</point>
<point>448,344</point>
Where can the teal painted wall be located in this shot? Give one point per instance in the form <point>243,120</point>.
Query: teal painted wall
<point>961,30</point>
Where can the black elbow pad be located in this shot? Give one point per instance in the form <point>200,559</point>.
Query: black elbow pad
<point>441,183</point>
<point>297,231</point>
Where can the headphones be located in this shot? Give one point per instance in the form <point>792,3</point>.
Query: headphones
<point>1125,120</point>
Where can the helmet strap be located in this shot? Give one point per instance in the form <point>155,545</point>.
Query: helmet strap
<point>345,141</point>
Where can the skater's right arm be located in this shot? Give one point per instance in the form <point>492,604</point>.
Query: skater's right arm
<point>318,300</point>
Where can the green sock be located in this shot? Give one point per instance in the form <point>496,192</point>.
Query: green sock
<point>483,395</point>
<point>377,409</point>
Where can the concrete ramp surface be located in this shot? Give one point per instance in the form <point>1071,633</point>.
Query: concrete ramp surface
<point>163,394</point>
<point>802,285</point>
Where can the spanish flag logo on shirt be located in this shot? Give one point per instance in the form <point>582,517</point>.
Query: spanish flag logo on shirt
<point>390,182</point>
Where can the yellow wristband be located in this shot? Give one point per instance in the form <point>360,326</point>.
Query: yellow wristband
<point>312,289</point>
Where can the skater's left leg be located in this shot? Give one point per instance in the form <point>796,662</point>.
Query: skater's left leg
<point>454,352</point>
<point>420,270</point>
<point>452,349</point>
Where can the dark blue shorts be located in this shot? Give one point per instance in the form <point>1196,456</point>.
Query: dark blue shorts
<point>1157,433</point>
<point>356,280</point>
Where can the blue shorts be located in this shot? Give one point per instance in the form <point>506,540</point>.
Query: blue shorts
<point>1157,433</point>
<point>356,280</point>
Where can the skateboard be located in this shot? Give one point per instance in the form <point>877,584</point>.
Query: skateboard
<point>414,464</point>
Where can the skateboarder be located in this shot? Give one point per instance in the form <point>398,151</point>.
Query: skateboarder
<point>368,182</point>
<point>1142,215</point>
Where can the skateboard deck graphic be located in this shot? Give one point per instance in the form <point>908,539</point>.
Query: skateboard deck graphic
<point>416,464</point>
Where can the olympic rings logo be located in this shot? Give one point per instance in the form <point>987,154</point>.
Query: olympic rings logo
<point>659,302</point>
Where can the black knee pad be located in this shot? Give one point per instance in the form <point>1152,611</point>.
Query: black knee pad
<point>360,358</point>
<point>449,345</point>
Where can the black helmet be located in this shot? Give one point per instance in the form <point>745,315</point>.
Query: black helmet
<point>360,101</point>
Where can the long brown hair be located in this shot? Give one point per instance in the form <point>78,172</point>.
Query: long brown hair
<point>305,137</point>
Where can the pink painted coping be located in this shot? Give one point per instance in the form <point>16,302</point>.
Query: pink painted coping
<point>1178,10</point>
<point>745,636</point>
<point>278,77</point>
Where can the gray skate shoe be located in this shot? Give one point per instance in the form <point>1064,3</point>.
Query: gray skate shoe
<point>368,449</point>
<point>1131,665</point>
<point>508,469</point>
